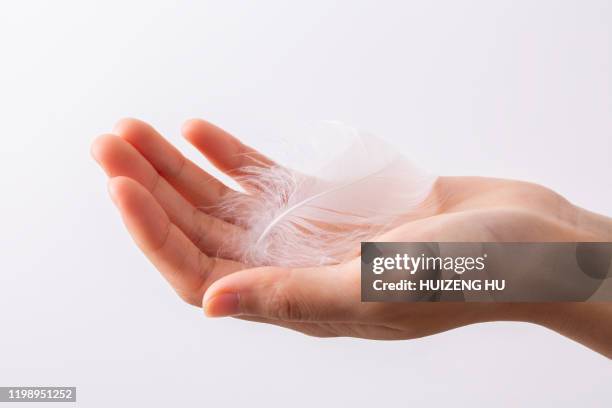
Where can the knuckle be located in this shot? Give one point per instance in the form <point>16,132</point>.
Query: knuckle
<point>176,171</point>
<point>155,185</point>
<point>161,244</point>
<point>201,226</point>
<point>280,305</point>
<point>189,298</point>
<point>206,266</point>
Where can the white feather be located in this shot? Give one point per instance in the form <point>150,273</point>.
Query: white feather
<point>295,220</point>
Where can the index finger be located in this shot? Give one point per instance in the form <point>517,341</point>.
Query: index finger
<point>223,150</point>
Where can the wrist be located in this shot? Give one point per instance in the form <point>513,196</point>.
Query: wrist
<point>586,323</point>
<point>595,227</point>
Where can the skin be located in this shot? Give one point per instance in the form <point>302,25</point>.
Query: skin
<point>160,195</point>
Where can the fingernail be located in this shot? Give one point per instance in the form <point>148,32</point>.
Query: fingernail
<point>225,304</point>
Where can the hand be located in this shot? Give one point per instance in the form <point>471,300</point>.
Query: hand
<point>160,195</point>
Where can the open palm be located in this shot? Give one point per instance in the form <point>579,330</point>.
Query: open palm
<point>162,197</point>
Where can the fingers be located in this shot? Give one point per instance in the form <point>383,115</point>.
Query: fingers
<point>191,181</point>
<point>119,158</point>
<point>186,268</point>
<point>297,295</point>
<point>226,152</point>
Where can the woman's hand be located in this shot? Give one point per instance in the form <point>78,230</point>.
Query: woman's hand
<point>160,195</point>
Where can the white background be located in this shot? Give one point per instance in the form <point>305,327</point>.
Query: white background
<point>517,89</point>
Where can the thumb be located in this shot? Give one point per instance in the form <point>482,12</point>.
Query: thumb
<point>302,294</point>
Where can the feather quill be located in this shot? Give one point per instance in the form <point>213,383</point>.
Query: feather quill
<point>295,220</point>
